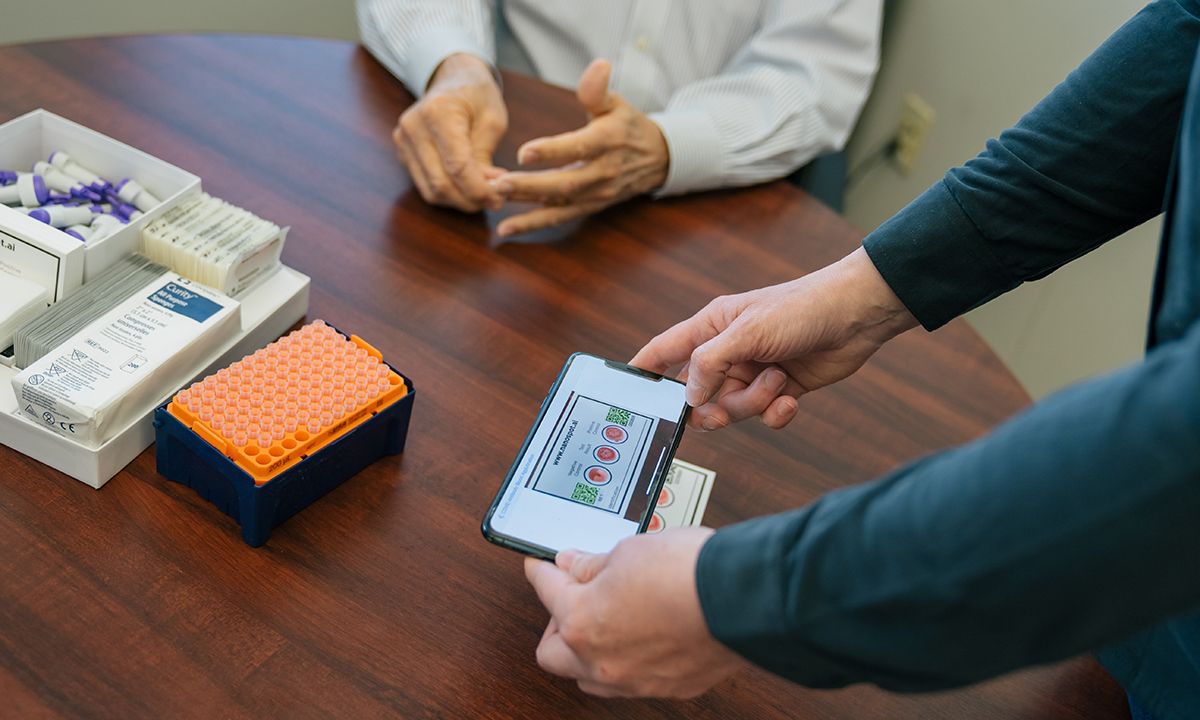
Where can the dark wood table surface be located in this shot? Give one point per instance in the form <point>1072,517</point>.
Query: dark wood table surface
<point>140,600</point>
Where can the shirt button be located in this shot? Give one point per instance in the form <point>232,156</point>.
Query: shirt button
<point>642,42</point>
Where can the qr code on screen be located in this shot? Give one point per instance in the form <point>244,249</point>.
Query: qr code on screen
<point>618,416</point>
<point>585,494</point>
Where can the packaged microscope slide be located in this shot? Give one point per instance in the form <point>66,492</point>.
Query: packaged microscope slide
<point>93,385</point>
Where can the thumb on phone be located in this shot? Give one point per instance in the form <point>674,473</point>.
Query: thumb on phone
<point>581,565</point>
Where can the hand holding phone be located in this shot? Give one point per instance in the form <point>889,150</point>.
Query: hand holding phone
<point>594,462</point>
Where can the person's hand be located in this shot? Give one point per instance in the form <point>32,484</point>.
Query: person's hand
<point>629,623</point>
<point>447,138</point>
<point>619,154</point>
<point>754,354</point>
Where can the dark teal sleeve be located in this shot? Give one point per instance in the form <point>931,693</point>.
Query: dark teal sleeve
<point>1070,527</point>
<point>1086,164</point>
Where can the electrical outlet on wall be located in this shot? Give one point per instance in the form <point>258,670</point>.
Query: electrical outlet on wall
<point>916,117</point>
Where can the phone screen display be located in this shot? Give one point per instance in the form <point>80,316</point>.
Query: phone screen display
<point>589,470</point>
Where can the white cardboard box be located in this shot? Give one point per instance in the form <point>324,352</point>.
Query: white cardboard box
<point>36,252</point>
<point>267,312</point>
<point>33,136</point>
<point>268,309</point>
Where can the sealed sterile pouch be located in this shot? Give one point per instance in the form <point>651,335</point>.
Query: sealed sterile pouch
<point>113,370</point>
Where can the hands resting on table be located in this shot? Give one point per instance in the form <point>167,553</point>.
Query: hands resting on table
<point>447,139</point>
<point>629,623</point>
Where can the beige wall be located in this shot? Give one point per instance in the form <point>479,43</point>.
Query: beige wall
<point>981,66</point>
<point>43,19</point>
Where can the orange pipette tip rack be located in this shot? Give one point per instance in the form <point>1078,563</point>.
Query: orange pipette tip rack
<point>272,409</point>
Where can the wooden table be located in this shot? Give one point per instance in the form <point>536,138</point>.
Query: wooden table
<point>140,600</point>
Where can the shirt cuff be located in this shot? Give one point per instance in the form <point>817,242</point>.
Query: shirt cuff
<point>695,148</point>
<point>738,580</point>
<point>935,259</point>
<point>435,45</point>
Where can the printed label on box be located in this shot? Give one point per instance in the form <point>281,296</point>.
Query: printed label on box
<point>188,303</point>
<point>29,262</point>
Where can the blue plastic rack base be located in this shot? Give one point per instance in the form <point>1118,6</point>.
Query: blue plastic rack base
<point>184,457</point>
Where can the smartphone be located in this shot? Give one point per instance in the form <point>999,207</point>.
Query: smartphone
<point>594,462</point>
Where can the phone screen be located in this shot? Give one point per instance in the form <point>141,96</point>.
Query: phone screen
<point>591,466</point>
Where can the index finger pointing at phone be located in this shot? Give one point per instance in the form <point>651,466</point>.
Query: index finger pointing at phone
<point>674,345</point>
<point>698,342</point>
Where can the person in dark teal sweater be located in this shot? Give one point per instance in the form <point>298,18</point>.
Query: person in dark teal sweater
<point>1073,527</point>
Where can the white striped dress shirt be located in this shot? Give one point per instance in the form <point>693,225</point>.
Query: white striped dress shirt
<point>744,91</point>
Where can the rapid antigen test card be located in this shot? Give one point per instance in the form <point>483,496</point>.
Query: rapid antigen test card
<point>683,498</point>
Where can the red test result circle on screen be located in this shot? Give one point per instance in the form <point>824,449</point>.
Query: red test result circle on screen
<point>656,524</point>
<point>597,475</point>
<point>615,434</point>
<point>606,454</point>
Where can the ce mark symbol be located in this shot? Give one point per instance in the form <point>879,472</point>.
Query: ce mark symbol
<point>66,427</point>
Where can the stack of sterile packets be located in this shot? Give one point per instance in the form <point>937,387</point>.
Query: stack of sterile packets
<point>47,331</point>
<point>214,243</point>
<point>103,377</point>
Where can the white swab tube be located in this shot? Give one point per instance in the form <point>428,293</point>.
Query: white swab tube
<point>58,180</point>
<point>103,226</point>
<point>131,191</point>
<point>63,162</point>
<point>61,216</point>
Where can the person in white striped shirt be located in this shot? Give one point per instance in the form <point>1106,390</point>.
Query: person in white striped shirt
<point>682,96</point>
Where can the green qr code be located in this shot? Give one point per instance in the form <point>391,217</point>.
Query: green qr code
<point>585,494</point>
<point>618,416</point>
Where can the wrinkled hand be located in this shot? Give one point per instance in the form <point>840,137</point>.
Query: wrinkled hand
<point>629,623</point>
<point>754,354</point>
<point>447,138</point>
<point>619,154</point>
